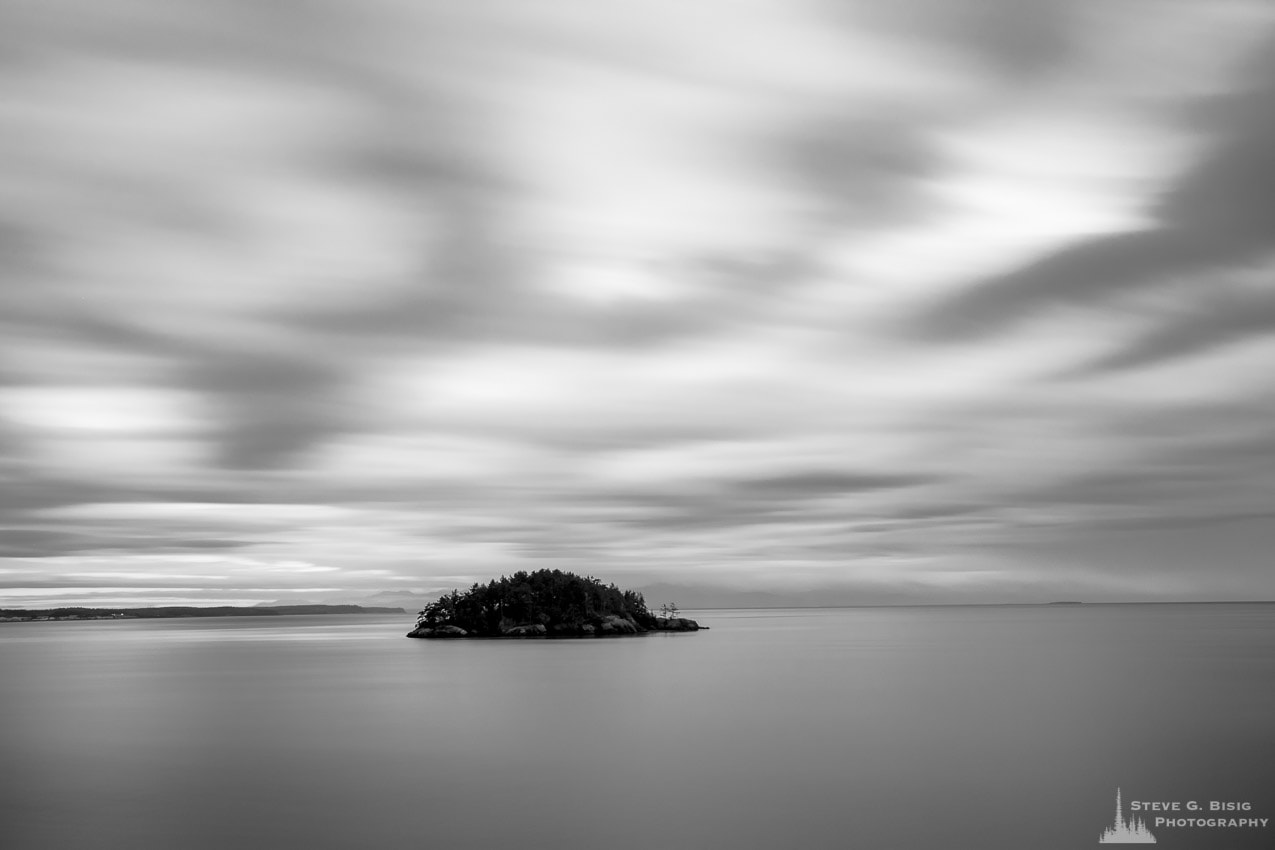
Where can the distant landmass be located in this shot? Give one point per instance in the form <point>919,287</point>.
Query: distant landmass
<point>545,603</point>
<point>407,600</point>
<point>688,596</point>
<point>22,614</point>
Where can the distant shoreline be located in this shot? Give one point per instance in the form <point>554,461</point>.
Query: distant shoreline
<point>1066,603</point>
<point>24,615</point>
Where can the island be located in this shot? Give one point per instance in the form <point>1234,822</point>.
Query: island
<point>544,603</point>
<point>22,615</point>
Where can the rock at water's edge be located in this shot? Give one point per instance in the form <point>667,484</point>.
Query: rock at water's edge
<point>677,624</point>
<point>615,625</point>
<point>533,630</point>
<point>438,632</point>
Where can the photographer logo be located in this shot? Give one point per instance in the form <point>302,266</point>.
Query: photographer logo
<point>1126,830</point>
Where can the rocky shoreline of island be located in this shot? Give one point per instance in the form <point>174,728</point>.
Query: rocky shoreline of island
<point>604,627</point>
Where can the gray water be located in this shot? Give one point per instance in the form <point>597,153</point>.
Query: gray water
<point>979,727</point>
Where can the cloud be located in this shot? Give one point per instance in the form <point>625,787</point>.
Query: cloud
<point>1217,216</point>
<point>1020,39</point>
<point>864,171</point>
<point>822,483</point>
<point>1216,322</point>
<point>423,293</point>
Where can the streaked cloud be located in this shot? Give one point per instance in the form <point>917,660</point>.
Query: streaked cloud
<point>927,300</point>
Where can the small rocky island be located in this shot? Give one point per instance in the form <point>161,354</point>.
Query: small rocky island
<point>545,603</point>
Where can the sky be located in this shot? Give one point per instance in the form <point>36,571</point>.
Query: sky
<point>919,301</point>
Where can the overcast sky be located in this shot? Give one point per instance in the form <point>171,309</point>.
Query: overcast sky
<point>919,300</point>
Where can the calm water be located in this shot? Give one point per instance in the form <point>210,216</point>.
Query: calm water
<point>878,728</point>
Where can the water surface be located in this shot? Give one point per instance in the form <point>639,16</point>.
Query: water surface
<point>982,727</point>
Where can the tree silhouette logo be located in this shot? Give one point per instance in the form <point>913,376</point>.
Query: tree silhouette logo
<point>1126,830</point>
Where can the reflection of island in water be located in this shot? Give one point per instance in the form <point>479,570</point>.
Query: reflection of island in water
<point>1126,830</point>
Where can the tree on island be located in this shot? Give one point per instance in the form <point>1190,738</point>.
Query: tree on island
<point>668,610</point>
<point>544,602</point>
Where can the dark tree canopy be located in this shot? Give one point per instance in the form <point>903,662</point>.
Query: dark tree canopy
<point>563,603</point>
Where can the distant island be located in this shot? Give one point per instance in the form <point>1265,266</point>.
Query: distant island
<point>18,615</point>
<point>545,603</point>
